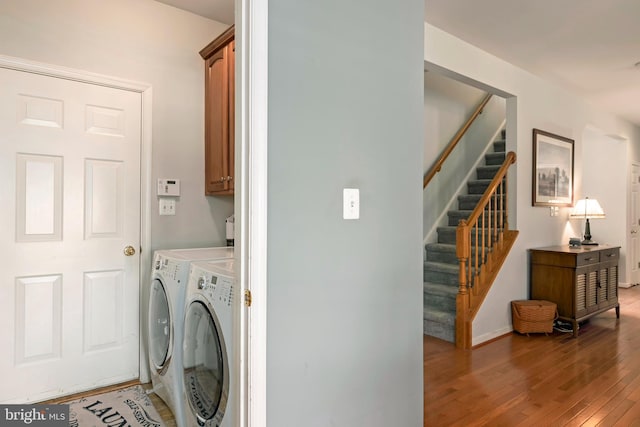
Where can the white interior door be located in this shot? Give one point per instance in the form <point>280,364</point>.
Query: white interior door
<point>70,197</point>
<point>634,225</point>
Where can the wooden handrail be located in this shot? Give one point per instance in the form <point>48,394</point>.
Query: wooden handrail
<point>452,144</point>
<point>483,242</point>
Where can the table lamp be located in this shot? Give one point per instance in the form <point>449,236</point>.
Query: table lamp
<point>588,209</point>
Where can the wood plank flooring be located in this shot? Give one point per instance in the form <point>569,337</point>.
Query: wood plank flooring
<point>555,380</point>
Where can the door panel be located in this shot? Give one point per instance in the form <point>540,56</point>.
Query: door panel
<point>70,192</point>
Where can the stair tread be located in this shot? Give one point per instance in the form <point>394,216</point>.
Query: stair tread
<point>441,267</point>
<point>441,247</point>
<point>439,316</point>
<point>440,289</point>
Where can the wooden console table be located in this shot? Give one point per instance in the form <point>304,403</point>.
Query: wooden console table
<point>582,281</point>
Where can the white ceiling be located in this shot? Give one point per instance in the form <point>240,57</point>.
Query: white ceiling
<point>588,46</point>
<point>218,10</point>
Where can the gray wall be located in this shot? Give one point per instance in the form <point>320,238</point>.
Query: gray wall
<point>344,330</point>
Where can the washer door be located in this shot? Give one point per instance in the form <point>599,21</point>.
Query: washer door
<point>206,371</point>
<point>160,336</point>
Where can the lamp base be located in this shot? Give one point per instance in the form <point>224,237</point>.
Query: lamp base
<point>589,243</point>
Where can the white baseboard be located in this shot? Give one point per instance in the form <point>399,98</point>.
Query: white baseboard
<point>491,335</point>
<point>627,285</point>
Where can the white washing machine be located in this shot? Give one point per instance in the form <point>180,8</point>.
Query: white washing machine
<point>170,274</point>
<point>210,399</point>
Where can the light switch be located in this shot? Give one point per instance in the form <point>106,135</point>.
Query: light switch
<point>167,206</point>
<point>351,203</point>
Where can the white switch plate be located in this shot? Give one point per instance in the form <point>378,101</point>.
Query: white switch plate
<point>167,206</point>
<point>351,203</point>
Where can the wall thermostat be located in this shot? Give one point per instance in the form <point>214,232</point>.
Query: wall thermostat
<point>168,187</point>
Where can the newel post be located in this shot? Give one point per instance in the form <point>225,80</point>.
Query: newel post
<point>463,253</point>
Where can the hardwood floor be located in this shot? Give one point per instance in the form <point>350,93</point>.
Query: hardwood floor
<point>555,380</point>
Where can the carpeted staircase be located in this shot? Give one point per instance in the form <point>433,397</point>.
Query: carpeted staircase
<point>441,267</point>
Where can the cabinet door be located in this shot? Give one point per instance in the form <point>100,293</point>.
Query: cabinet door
<point>586,298</point>
<point>217,122</point>
<point>231,142</point>
<point>607,285</point>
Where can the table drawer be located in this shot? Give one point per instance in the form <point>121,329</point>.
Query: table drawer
<point>587,258</point>
<point>610,255</point>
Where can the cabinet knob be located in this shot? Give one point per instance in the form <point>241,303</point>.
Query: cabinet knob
<point>229,178</point>
<point>222,179</point>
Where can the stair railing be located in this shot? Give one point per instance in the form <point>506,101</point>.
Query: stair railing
<point>483,242</point>
<point>437,166</point>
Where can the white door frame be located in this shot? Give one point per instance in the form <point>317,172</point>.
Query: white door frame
<point>251,203</point>
<point>631,278</point>
<point>144,89</point>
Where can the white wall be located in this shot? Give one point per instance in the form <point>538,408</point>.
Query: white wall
<point>344,328</point>
<point>145,41</point>
<point>448,104</point>
<point>603,155</point>
<point>149,42</point>
<point>536,104</point>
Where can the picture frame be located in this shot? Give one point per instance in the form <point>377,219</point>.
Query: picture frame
<point>552,169</point>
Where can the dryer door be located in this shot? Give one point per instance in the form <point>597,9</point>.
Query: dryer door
<point>160,334</point>
<point>206,370</point>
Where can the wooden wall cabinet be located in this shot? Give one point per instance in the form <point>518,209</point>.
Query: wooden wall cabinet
<point>581,281</point>
<point>219,107</point>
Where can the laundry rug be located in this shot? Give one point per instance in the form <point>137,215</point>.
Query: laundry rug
<point>128,407</point>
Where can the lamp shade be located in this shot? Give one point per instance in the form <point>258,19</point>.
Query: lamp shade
<point>587,208</point>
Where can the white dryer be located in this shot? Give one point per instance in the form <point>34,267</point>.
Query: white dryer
<point>210,399</point>
<point>170,273</point>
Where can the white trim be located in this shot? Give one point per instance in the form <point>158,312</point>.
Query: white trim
<point>144,89</point>
<point>251,202</point>
<point>490,335</point>
<point>146,189</point>
<point>628,229</point>
<point>60,72</point>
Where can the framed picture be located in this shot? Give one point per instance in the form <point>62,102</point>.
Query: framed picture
<point>552,169</point>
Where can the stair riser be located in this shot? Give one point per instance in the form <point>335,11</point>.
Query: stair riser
<point>438,330</point>
<point>479,187</point>
<point>500,146</point>
<point>440,277</point>
<point>494,159</point>
<point>445,257</point>
<point>469,202</point>
<point>455,217</point>
<point>439,302</point>
<point>487,172</point>
<point>448,236</point>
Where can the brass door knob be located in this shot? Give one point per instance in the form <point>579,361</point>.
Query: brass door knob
<point>129,251</point>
